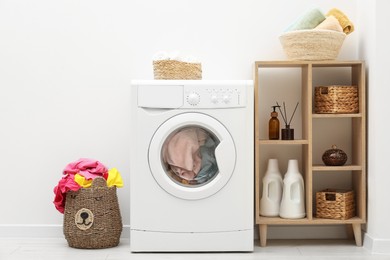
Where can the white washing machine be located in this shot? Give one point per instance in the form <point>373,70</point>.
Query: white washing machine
<point>191,185</point>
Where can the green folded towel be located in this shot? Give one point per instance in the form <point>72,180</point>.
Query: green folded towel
<point>309,20</point>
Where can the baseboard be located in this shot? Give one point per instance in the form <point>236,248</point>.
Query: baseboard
<point>275,232</point>
<point>41,231</point>
<point>377,246</point>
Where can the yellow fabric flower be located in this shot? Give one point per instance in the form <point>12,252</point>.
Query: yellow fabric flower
<point>82,181</point>
<point>114,178</point>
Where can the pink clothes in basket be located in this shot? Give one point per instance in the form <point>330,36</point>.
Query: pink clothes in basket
<point>88,168</point>
<point>84,167</point>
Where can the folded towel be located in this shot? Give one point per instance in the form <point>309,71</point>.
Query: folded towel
<point>330,23</point>
<point>309,20</point>
<point>345,23</point>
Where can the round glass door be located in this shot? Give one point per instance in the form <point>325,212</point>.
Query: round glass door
<point>192,156</point>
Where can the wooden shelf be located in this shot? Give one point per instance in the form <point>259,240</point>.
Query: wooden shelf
<point>320,168</point>
<point>282,142</point>
<point>323,221</point>
<point>336,115</point>
<point>306,221</point>
<point>282,221</point>
<point>308,72</point>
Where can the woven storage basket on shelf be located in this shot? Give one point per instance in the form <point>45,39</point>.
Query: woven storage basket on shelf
<point>336,99</point>
<point>92,218</point>
<point>173,69</point>
<point>335,204</point>
<point>312,44</point>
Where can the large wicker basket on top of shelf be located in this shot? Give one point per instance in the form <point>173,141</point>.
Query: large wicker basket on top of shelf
<point>336,99</point>
<point>335,204</point>
<point>312,44</point>
<point>173,69</point>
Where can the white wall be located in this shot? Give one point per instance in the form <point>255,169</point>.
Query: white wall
<point>65,69</point>
<point>64,94</point>
<point>373,44</point>
<point>227,36</point>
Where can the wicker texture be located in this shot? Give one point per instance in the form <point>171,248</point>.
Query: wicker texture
<point>173,69</point>
<point>336,99</point>
<point>312,44</point>
<point>92,218</point>
<point>335,204</point>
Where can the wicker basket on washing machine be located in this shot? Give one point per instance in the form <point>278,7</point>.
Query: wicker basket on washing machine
<point>173,69</point>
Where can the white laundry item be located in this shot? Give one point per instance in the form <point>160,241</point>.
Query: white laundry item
<point>161,55</point>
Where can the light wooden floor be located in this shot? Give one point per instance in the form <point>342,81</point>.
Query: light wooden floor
<point>57,249</point>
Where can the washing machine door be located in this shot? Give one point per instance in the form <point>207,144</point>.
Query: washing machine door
<point>192,156</point>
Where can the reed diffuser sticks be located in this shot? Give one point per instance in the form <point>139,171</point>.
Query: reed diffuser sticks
<point>287,133</point>
<point>284,116</point>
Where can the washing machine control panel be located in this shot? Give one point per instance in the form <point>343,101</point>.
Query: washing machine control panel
<point>214,96</point>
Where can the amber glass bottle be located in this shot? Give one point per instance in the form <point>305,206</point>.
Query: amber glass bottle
<point>273,125</point>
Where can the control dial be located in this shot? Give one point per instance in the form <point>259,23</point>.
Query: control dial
<point>214,98</point>
<point>226,98</point>
<point>193,98</point>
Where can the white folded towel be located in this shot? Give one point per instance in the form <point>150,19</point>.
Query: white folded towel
<point>174,55</point>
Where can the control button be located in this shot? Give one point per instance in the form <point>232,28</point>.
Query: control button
<point>214,99</point>
<point>226,99</point>
<point>193,98</point>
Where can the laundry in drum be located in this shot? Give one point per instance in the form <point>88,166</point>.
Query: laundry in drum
<point>189,155</point>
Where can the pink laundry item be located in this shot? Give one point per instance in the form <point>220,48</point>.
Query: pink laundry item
<point>181,152</point>
<point>183,173</point>
<point>66,184</point>
<point>88,168</point>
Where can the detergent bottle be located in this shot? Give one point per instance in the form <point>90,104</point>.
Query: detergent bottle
<point>292,205</point>
<point>272,190</point>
